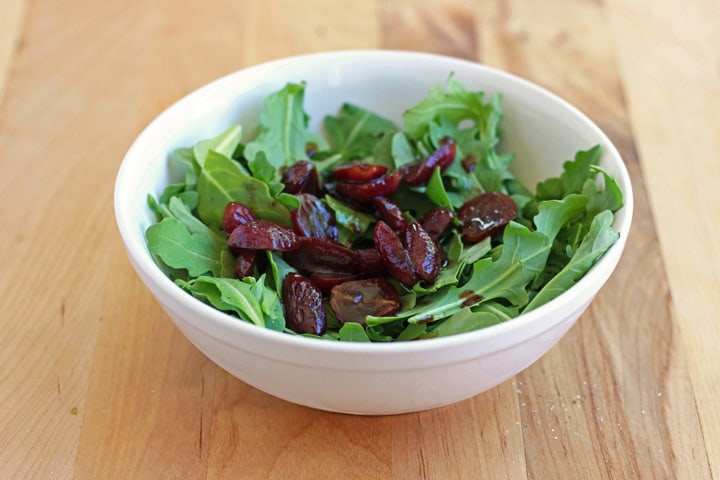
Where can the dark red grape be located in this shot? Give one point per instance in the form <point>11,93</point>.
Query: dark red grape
<point>313,219</point>
<point>436,221</point>
<point>262,235</point>
<point>303,305</point>
<point>486,215</point>
<point>244,263</point>
<point>424,252</point>
<point>369,262</point>
<point>390,213</point>
<point>234,215</point>
<point>301,177</point>
<point>358,171</point>
<point>365,191</point>
<point>396,258</point>
<point>419,173</point>
<point>315,255</point>
<point>353,301</point>
<point>326,281</point>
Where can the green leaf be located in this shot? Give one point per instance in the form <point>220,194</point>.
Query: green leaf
<point>182,212</point>
<point>283,133</point>
<point>469,319</point>
<point>222,180</point>
<point>402,151</point>
<point>523,256</point>
<point>554,214</point>
<point>355,131</point>
<point>262,169</point>
<point>279,269</point>
<point>354,221</point>
<point>227,263</point>
<point>412,331</point>
<point>476,251</point>
<point>179,248</point>
<point>436,190</point>
<point>598,240</point>
<point>269,301</point>
<point>224,144</point>
<point>228,295</point>
<point>353,332</point>
<point>493,171</point>
<point>457,104</point>
<point>575,174</point>
<point>607,198</point>
<point>184,158</point>
<point>382,153</point>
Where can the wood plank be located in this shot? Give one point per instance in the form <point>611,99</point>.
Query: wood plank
<point>668,59</point>
<point>11,21</point>
<point>629,387</point>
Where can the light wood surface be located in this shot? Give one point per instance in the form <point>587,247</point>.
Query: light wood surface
<point>96,382</point>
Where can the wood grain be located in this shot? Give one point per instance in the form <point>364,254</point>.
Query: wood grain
<point>96,382</point>
<point>673,85</point>
<point>574,58</point>
<point>10,25</point>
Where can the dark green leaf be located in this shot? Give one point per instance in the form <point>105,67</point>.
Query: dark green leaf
<point>179,248</point>
<point>224,144</point>
<point>283,133</point>
<point>222,180</point>
<point>354,132</point>
<point>353,332</point>
<point>228,295</point>
<point>354,221</point>
<point>600,237</point>
<point>436,190</point>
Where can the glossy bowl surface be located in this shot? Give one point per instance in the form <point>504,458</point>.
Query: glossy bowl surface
<point>541,128</point>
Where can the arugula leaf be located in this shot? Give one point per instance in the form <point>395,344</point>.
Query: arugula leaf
<point>182,212</point>
<point>355,131</point>
<point>354,221</point>
<point>179,248</point>
<point>457,104</point>
<point>493,171</point>
<point>270,304</point>
<point>402,151</point>
<point>523,257</point>
<point>353,332</point>
<point>279,269</point>
<point>468,319</point>
<point>554,214</point>
<point>283,133</point>
<point>607,198</point>
<point>228,295</point>
<point>436,191</point>
<point>476,251</point>
<point>224,144</point>
<point>598,240</point>
<point>575,173</point>
<point>382,153</point>
<point>184,159</point>
<point>222,180</point>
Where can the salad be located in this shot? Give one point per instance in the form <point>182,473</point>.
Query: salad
<point>375,232</point>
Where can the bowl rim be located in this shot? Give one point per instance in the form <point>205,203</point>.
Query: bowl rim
<point>154,278</point>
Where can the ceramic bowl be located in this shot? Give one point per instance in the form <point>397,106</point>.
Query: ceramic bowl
<point>541,128</point>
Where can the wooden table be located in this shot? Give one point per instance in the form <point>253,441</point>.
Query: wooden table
<point>96,382</point>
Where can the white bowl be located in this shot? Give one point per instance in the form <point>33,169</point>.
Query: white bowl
<point>542,129</point>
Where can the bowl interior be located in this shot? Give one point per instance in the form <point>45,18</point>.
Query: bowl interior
<point>540,128</point>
